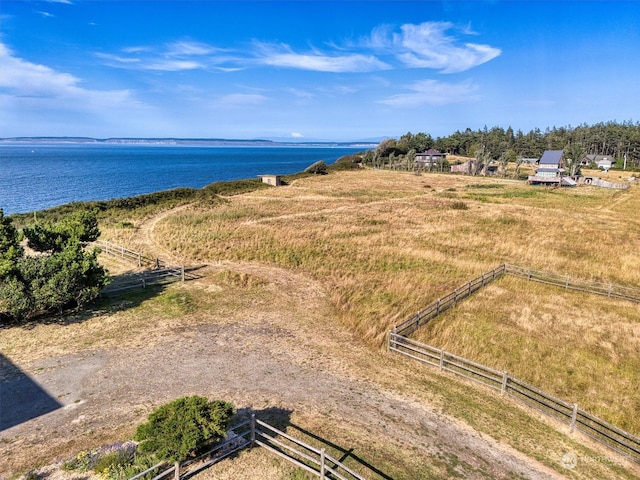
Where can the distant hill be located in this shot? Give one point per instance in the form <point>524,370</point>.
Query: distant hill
<point>181,141</point>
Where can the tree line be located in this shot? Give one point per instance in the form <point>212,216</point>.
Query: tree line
<point>618,140</point>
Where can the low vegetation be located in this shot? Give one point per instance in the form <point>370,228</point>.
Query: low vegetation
<point>381,245</point>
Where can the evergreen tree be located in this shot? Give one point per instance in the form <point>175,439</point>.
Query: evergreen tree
<point>65,275</point>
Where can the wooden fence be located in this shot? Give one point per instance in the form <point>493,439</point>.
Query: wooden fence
<point>159,273</point>
<point>569,283</point>
<point>569,413</point>
<point>254,432</point>
<point>411,324</point>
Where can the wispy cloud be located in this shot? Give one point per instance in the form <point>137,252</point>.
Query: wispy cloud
<point>241,99</point>
<point>427,45</point>
<point>170,57</point>
<point>283,56</point>
<point>23,81</point>
<point>432,92</point>
<point>173,65</point>
<point>44,14</point>
<point>190,48</point>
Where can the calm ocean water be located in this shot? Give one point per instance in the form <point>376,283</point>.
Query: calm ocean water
<point>39,176</point>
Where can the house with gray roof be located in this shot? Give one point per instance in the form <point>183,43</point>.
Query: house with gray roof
<point>605,162</point>
<point>551,170</point>
<point>430,158</point>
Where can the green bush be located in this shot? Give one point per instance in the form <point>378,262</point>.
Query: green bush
<point>179,429</point>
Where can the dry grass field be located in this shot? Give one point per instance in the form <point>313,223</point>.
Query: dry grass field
<point>297,289</point>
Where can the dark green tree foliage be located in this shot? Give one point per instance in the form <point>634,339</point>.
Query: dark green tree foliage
<point>10,249</point>
<point>181,428</point>
<point>64,275</point>
<point>80,226</point>
<point>619,140</point>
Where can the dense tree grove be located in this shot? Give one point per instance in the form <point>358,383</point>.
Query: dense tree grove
<point>60,274</point>
<point>620,140</point>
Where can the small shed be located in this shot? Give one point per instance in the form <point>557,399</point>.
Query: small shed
<point>275,180</point>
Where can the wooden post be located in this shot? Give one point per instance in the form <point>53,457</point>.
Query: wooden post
<point>566,285</point>
<point>139,259</point>
<point>437,307</point>
<point>182,273</point>
<point>252,437</point>
<point>176,471</point>
<point>455,296</point>
<point>322,460</point>
<point>442,359</point>
<point>505,379</point>
<point>609,292</point>
<point>574,415</point>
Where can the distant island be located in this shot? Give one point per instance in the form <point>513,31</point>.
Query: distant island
<point>204,142</point>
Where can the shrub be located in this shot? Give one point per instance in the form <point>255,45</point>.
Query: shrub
<point>459,206</point>
<point>181,428</point>
<point>319,168</point>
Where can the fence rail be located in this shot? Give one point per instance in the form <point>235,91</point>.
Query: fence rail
<point>254,432</point>
<point>569,283</point>
<point>414,322</point>
<point>160,273</point>
<point>569,413</point>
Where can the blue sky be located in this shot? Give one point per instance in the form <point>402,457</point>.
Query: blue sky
<point>313,70</point>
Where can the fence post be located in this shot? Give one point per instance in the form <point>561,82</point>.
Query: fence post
<point>144,285</point>
<point>574,415</point>
<point>252,436</point>
<point>437,307</point>
<point>122,252</point>
<point>139,259</point>
<point>176,471</point>
<point>182,272</point>
<point>505,379</point>
<point>322,460</point>
<point>566,285</point>
<point>610,288</point>
<point>442,359</point>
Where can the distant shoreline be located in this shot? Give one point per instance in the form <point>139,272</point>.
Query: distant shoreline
<point>195,142</point>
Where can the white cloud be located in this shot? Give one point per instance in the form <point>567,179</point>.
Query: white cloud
<point>297,135</point>
<point>241,99</point>
<point>189,48</point>
<point>173,65</point>
<point>427,45</point>
<point>31,91</point>
<point>44,14</point>
<point>284,56</point>
<point>171,57</point>
<point>432,92</point>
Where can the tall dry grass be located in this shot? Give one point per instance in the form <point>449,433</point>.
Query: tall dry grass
<point>386,244</point>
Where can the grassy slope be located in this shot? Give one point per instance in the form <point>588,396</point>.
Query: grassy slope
<point>386,244</point>
<point>390,243</point>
